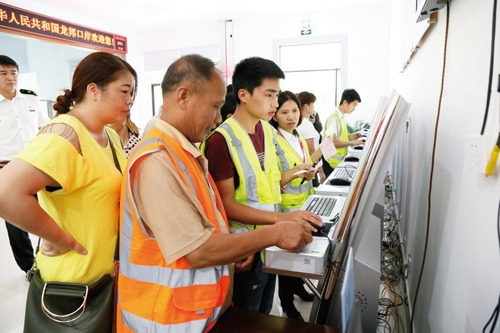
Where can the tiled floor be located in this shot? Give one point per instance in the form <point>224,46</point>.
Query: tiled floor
<point>13,289</point>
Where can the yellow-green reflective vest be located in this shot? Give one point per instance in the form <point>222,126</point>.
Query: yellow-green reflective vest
<point>294,194</point>
<point>344,136</point>
<point>258,188</point>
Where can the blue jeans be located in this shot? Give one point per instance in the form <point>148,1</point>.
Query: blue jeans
<point>254,290</point>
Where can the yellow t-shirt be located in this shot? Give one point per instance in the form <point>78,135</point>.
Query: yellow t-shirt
<point>87,205</point>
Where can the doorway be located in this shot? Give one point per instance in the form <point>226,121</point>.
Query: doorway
<point>314,65</point>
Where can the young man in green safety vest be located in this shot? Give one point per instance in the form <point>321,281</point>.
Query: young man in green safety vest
<point>243,162</point>
<point>336,129</point>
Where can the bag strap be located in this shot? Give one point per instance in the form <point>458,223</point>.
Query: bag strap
<point>115,158</point>
<point>117,164</point>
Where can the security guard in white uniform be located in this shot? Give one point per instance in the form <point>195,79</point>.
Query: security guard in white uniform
<point>20,119</point>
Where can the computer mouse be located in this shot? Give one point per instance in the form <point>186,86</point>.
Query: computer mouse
<point>351,159</point>
<point>340,181</point>
<point>358,147</point>
<point>319,227</point>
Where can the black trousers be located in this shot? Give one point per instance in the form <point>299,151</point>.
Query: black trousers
<point>287,286</point>
<point>22,249</point>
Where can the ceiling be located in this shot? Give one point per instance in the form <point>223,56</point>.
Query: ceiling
<point>146,14</point>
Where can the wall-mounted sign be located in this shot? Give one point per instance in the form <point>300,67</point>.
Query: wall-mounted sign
<point>305,31</point>
<point>18,19</point>
<point>306,27</point>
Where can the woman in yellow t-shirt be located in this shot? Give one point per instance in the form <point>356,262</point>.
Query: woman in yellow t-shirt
<point>70,164</point>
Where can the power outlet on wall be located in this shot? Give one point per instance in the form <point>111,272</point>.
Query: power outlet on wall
<point>477,151</point>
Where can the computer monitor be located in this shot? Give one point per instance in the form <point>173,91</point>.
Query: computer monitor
<point>362,207</point>
<point>365,188</point>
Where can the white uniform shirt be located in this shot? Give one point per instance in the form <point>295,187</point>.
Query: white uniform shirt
<point>20,119</point>
<point>306,128</point>
<point>294,141</point>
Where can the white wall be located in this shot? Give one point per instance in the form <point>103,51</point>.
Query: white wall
<point>164,46</point>
<point>367,29</point>
<point>461,276</point>
<point>368,41</point>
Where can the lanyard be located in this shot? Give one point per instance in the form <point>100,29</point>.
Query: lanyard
<point>303,157</point>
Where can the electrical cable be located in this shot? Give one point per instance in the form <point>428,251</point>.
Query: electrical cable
<point>492,58</point>
<point>349,166</point>
<point>389,315</point>
<point>490,166</point>
<point>431,174</point>
<point>494,155</point>
<point>496,312</point>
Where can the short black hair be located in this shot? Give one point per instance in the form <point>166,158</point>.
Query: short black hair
<point>350,95</point>
<point>229,106</point>
<point>250,72</point>
<point>6,61</point>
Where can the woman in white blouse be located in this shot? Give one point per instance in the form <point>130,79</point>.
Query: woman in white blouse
<point>307,129</point>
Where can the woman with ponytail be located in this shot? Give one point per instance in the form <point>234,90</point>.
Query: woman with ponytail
<point>73,163</point>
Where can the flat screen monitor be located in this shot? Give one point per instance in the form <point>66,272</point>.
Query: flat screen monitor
<point>358,213</point>
<point>388,123</point>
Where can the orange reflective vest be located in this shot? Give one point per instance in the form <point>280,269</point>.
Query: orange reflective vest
<point>154,296</point>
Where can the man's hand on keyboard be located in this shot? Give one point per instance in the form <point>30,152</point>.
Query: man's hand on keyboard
<point>303,217</point>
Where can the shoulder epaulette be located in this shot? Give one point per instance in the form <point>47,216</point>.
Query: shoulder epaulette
<point>28,92</point>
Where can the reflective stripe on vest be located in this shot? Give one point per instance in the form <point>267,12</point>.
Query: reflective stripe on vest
<point>153,295</point>
<point>258,188</point>
<point>142,325</point>
<point>294,194</point>
<point>344,136</point>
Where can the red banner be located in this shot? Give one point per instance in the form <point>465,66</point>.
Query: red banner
<point>18,19</point>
